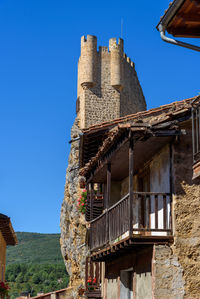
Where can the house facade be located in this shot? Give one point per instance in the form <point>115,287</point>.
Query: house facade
<point>140,234</point>
<point>7,237</point>
<point>145,242</point>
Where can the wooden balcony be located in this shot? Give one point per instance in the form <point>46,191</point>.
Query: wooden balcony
<point>93,271</point>
<point>146,219</point>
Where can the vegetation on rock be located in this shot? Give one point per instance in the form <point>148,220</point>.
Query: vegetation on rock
<point>82,200</point>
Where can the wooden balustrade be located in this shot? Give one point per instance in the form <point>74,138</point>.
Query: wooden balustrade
<point>93,273</point>
<point>151,216</point>
<point>96,199</point>
<point>118,220</point>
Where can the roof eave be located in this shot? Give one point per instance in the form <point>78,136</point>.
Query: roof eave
<point>170,13</point>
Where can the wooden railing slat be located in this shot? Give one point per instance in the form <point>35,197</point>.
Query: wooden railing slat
<point>156,210</point>
<point>145,205</point>
<point>164,212</point>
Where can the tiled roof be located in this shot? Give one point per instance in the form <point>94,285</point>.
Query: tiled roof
<point>141,121</point>
<point>49,294</point>
<point>172,5</point>
<point>181,19</point>
<point>7,230</point>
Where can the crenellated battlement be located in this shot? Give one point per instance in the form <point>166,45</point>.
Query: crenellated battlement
<point>128,60</point>
<point>107,82</point>
<point>103,49</point>
<point>88,39</point>
<point>114,45</point>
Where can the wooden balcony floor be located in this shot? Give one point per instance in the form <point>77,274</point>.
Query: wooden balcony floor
<point>93,294</point>
<point>132,243</point>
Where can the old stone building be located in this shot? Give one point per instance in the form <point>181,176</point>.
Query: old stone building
<point>108,88</point>
<point>147,239</point>
<point>141,170</point>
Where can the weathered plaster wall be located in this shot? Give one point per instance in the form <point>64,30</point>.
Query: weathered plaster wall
<point>2,257</point>
<point>129,271</point>
<point>168,281</point>
<point>112,288</point>
<point>159,177</point>
<point>160,182</point>
<point>160,171</point>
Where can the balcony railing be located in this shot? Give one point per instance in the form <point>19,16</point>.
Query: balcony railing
<point>93,272</point>
<point>150,216</point>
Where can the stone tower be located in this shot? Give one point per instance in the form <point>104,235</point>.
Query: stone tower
<point>108,88</point>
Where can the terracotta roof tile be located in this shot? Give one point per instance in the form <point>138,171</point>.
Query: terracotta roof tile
<point>163,108</point>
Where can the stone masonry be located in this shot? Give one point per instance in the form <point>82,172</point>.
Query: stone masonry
<point>108,85</point>
<point>108,88</point>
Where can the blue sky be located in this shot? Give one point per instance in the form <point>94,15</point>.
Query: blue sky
<point>39,50</point>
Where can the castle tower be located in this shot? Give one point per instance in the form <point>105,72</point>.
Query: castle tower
<point>108,86</point>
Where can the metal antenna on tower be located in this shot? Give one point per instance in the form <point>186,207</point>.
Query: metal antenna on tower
<point>121,27</point>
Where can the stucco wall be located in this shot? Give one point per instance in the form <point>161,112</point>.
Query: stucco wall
<point>135,265</point>
<point>160,171</point>
<point>112,288</point>
<point>159,177</point>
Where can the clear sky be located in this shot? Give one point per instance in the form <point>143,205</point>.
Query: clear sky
<point>39,50</point>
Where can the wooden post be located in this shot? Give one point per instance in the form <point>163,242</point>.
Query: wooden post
<point>171,188</point>
<point>131,185</point>
<point>108,199</point>
<point>86,274</point>
<point>91,201</point>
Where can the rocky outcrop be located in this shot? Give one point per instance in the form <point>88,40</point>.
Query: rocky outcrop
<point>72,223</point>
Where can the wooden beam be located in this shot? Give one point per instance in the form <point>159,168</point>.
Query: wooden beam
<point>192,17</point>
<point>131,185</point>
<point>108,185</point>
<point>166,133</point>
<point>108,199</point>
<point>193,31</point>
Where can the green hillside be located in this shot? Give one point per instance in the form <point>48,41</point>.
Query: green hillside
<point>35,248</point>
<point>35,265</point>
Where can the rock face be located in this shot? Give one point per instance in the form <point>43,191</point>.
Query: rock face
<point>72,223</point>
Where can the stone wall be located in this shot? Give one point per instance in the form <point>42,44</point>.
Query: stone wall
<point>2,257</point>
<point>167,274</point>
<point>186,215</point>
